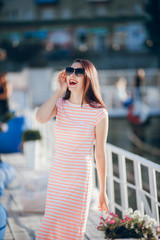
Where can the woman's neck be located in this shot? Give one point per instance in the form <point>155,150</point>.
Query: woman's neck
<point>76,99</point>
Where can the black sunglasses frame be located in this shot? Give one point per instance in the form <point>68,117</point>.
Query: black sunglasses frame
<point>78,71</point>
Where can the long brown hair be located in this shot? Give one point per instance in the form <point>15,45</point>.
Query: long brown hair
<point>91,93</point>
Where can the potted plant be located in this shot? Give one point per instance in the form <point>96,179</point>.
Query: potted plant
<point>30,146</point>
<point>132,226</point>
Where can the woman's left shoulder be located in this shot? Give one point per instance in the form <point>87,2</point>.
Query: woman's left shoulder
<point>101,111</point>
<point>100,114</point>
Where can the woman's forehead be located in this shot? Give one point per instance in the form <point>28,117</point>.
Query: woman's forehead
<point>76,65</point>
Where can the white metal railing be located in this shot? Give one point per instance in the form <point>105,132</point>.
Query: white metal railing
<point>141,194</point>
<point>120,178</point>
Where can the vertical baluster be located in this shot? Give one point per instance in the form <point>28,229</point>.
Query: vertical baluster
<point>153,192</point>
<point>138,182</point>
<point>123,181</point>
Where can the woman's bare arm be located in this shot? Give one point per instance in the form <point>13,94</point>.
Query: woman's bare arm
<point>48,110</point>
<point>100,151</point>
<point>100,155</point>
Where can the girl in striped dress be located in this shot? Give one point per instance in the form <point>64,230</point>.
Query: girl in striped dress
<point>81,119</point>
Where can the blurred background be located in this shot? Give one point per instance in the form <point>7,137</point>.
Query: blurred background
<point>114,34</point>
<point>38,38</point>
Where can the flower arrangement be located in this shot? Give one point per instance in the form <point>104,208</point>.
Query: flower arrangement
<point>133,225</point>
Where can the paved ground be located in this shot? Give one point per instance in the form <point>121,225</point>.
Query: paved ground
<point>23,225</point>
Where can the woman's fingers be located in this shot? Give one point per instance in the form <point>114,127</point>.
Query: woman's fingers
<point>62,73</point>
<point>62,76</point>
<point>103,207</point>
<point>104,210</point>
<point>61,81</point>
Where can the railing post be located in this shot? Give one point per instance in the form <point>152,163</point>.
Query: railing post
<point>153,192</point>
<point>138,183</point>
<point>123,181</point>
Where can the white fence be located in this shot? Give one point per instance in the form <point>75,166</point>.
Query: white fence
<point>126,178</point>
<point>146,190</point>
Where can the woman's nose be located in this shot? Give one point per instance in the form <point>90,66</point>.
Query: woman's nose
<point>73,73</point>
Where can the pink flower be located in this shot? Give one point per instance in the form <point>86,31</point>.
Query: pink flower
<point>98,227</point>
<point>158,228</point>
<point>123,220</point>
<point>111,213</point>
<point>112,221</point>
<point>127,218</point>
<point>101,223</point>
<point>107,219</point>
<point>101,217</point>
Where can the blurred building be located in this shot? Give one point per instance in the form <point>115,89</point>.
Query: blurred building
<point>68,28</point>
<point>17,10</point>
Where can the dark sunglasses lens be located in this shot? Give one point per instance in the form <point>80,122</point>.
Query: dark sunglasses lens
<point>69,70</point>
<point>79,72</point>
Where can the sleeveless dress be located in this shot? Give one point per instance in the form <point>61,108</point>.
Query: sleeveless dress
<point>70,177</point>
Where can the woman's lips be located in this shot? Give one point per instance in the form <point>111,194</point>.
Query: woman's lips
<point>72,80</point>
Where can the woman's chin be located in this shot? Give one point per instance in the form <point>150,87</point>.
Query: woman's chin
<point>72,88</point>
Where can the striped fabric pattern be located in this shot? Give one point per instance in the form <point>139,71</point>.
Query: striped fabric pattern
<point>70,178</point>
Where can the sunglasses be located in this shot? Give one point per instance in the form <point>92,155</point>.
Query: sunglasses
<point>78,71</point>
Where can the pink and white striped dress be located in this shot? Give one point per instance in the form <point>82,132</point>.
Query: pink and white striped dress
<point>70,178</point>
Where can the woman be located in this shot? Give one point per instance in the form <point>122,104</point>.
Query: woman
<point>5,93</point>
<point>77,126</point>
<point>139,81</point>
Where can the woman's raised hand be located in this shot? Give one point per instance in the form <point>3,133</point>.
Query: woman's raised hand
<point>62,81</point>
